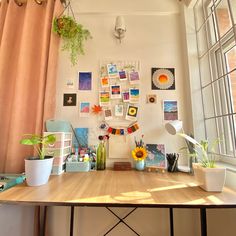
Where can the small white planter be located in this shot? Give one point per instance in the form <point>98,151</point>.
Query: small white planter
<point>210,179</point>
<point>38,171</point>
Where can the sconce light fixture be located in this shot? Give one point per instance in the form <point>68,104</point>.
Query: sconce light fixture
<point>120,28</point>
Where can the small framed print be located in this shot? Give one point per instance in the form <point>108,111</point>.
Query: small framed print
<point>125,96</point>
<point>85,81</point>
<point>132,113</point>
<point>134,95</point>
<point>156,155</point>
<point>115,91</point>
<point>112,71</point>
<point>104,98</point>
<point>104,81</point>
<point>170,109</point>
<point>108,114</point>
<point>70,84</point>
<point>123,75</point>
<point>152,98</point>
<point>134,77</point>
<point>69,99</point>
<point>84,109</point>
<point>119,110</point>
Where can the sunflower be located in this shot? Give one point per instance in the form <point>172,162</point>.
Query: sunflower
<point>139,153</point>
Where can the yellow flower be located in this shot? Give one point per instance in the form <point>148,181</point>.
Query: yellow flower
<point>139,153</point>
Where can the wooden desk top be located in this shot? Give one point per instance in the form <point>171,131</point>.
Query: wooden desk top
<point>120,188</point>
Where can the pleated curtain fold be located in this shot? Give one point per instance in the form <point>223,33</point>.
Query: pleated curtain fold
<point>28,70</point>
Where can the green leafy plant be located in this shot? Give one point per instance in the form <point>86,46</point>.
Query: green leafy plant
<point>73,35</point>
<point>38,142</point>
<point>201,149</point>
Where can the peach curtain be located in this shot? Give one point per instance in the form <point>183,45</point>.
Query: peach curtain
<point>28,69</point>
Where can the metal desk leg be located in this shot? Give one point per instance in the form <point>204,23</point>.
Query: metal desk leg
<point>203,219</point>
<point>72,220</point>
<point>171,222</point>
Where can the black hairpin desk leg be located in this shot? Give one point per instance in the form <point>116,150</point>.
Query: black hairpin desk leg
<point>203,222</point>
<point>72,208</point>
<point>171,222</point>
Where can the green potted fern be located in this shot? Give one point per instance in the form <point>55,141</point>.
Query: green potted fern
<point>73,35</point>
<point>38,168</point>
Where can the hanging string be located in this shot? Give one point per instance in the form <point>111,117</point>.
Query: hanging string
<point>69,9</point>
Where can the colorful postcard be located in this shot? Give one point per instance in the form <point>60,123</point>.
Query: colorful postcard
<point>152,98</point>
<point>104,81</point>
<point>134,77</point>
<point>119,110</point>
<point>115,91</point>
<point>82,137</point>
<point>125,96</point>
<point>122,75</point>
<point>69,99</point>
<point>170,110</point>
<point>163,79</point>
<point>84,109</point>
<point>112,71</point>
<point>156,155</point>
<point>108,114</point>
<point>85,81</point>
<point>134,95</point>
<point>104,98</point>
<point>131,113</point>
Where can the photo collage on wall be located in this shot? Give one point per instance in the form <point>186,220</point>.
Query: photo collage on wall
<point>119,90</point>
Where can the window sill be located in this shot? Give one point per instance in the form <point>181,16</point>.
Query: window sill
<point>229,167</point>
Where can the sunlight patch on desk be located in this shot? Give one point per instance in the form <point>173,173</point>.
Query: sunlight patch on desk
<point>133,196</point>
<point>197,201</point>
<point>167,188</point>
<point>215,200</point>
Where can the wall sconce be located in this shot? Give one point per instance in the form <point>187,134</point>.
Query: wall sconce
<point>120,28</point>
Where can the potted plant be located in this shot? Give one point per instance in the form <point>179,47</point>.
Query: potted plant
<point>210,177</point>
<point>38,169</point>
<point>73,35</point>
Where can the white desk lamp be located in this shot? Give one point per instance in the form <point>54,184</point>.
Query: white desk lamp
<point>174,127</point>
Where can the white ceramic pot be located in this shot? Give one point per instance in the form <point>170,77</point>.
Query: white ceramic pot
<point>210,179</point>
<point>38,171</point>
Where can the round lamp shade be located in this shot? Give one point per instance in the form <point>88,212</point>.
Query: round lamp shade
<point>174,127</point>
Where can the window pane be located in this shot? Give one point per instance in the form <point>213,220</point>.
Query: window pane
<point>205,70</point>
<point>231,59</point>
<point>233,8</point>
<point>212,30</point>
<point>198,12</point>
<point>232,89</point>
<point>208,102</point>
<point>202,41</point>
<point>208,7</point>
<point>223,17</point>
<point>222,107</point>
<point>211,131</point>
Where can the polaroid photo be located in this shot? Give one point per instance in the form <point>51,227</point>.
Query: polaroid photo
<point>152,98</point>
<point>105,81</point>
<point>133,95</point>
<point>70,84</point>
<point>119,110</point>
<point>112,71</point>
<point>69,99</point>
<point>132,113</point>
<point>134,77</point>
<point>123,75</point>
<point>115,91</point>
<point>104,98</point>
<point>84,109</point>
<point>85,81</point>
<point>125,96</point>
<point>170,110</point>
<point>108,114</point>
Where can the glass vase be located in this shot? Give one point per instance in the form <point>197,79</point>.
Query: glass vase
<point>101,156</point>
<point>140,165</point>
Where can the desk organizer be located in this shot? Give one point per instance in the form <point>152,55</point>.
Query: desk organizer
<point>60,150</point>
<point>75,166</point>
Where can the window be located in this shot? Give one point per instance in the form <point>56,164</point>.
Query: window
<point>215,24</point>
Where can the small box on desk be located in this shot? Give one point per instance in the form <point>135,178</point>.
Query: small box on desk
<point>122,166</point>
<point>76,166</point>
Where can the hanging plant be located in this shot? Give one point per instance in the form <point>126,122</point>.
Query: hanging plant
<point>73,35</point>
